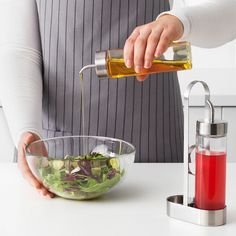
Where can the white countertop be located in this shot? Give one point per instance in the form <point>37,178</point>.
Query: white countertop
<point>136,207</point>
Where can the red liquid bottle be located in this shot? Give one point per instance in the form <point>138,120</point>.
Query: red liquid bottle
<point>207,207</point>
<point>210,176</point>
<point>210,180</point>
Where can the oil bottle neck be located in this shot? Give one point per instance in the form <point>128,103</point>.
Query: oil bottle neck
<point>101,64</point>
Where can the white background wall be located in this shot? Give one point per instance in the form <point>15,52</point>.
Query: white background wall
<point>213,65</point>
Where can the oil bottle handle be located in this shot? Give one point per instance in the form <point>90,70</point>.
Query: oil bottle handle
<point>190,150</point>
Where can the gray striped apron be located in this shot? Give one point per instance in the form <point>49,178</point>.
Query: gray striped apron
<point>148,114</point>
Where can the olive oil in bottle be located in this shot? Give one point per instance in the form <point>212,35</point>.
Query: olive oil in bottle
<point>118,69</point>
<point>110,63</point>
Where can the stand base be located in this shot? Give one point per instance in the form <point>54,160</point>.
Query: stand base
<point>177,210</point>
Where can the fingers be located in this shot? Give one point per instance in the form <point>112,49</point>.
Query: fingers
<point>24,168</point>
<point>27,174</point>
<point>139,49</point>
<point>135,47</point>
<point>151,40</point>
<point>129,48</point>
<point>164,42</point>
<point>45,193</point>
<point>152,43</point>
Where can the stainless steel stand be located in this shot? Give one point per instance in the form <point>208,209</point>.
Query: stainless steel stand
<point>177,210</point>
<point>182,207</point>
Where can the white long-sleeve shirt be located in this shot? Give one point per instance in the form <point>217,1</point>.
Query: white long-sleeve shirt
<point>208,23</point>
<point>20,67</point>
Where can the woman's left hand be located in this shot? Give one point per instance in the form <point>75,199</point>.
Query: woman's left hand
<point>151,40</point>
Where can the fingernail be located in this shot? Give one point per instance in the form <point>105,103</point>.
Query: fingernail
<point>142,78</point>
<point>128,63</point>
<point>138,69</point>
<point>147,64</point>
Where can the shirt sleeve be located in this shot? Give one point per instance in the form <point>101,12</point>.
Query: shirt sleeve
<point>20,67</point>
<point>208,23</point>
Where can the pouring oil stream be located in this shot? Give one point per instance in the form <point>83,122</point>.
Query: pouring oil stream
<point>81,77</point>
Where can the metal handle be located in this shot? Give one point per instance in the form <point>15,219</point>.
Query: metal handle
<point>186,134</point>
<point>190,150</point>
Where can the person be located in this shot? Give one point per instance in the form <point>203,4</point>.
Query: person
<point>44,44</point>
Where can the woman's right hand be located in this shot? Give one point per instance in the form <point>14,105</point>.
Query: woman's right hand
<point>26,139</point>
<point>151,40</point>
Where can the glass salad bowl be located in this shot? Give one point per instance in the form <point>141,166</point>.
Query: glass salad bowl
<point>80,167</point>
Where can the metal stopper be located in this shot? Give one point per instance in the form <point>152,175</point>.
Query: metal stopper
<point>101,64</point>
<point>211,127</point>
<point>217,129</point>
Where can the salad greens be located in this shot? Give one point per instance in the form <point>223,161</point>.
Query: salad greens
<point>81,177</point>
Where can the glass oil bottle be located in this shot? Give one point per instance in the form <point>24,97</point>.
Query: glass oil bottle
<point>110,63</point>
